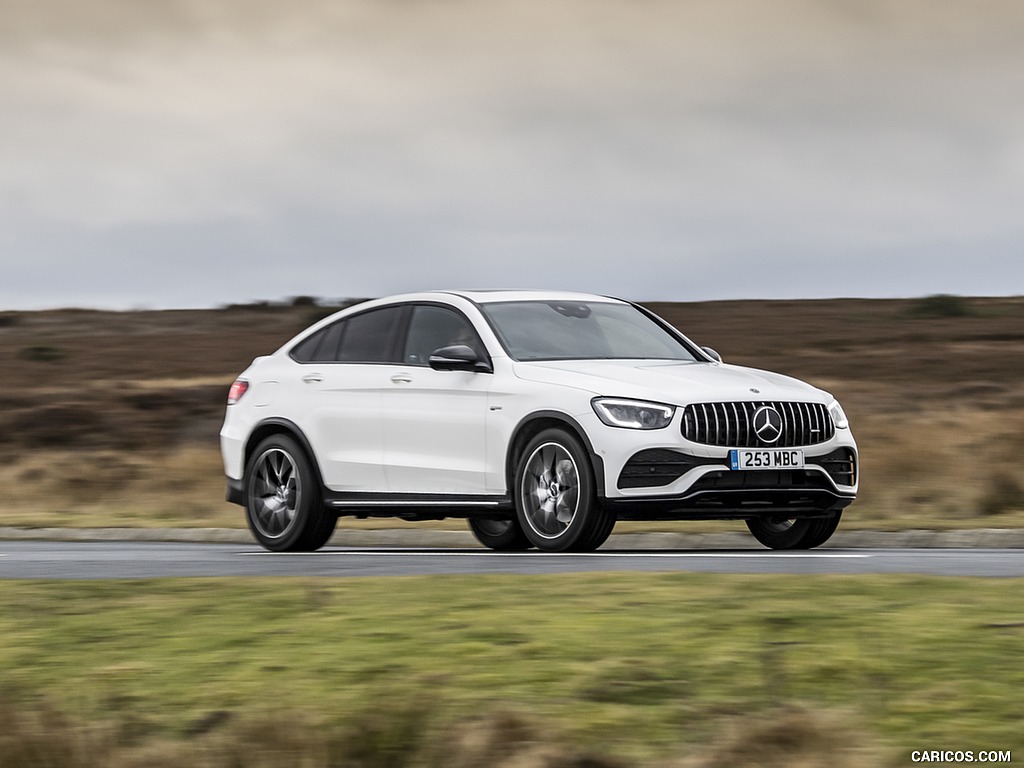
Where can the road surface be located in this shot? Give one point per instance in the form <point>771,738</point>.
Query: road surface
<point>136,560</point>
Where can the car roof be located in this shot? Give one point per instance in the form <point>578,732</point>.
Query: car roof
<point>477,297</point>
<point>495,296</point>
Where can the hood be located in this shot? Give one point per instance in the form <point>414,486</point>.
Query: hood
<point>675,383</point>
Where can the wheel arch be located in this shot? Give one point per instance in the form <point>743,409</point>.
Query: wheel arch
<point>533,425</point>
<point>278,426</point>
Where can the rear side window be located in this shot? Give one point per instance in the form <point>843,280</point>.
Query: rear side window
<point>368,337</point>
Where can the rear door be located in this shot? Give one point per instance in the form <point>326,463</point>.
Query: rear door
<point>342,371</point>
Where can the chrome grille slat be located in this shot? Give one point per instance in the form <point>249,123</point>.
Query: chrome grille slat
<point>794,409</point>
<point>729,424</point>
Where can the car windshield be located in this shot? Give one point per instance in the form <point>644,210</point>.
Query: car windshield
<point>573,330</point>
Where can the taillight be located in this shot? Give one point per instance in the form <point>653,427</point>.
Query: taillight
<point>239,388</point>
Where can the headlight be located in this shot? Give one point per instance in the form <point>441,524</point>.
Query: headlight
<point>632,414</point>
<point>835,410</point>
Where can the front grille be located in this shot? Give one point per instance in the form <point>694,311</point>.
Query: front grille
<point>731,425</point>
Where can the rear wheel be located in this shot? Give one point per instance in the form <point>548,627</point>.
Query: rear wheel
<point>554,494</point>
<point>782,533</point>
<point>821,531</point>
<point>283,505</point>
<point>502,535</point>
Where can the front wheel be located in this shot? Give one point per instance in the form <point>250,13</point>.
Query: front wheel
<point>283,505</point>
<point>556,503</point>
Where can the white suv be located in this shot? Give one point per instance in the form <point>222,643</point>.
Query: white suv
<point>542,418</point>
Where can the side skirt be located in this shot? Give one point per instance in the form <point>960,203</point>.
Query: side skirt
<point>418,506</point>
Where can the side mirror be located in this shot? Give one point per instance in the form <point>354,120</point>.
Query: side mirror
<point>457,357</point>
<point>712,354</point>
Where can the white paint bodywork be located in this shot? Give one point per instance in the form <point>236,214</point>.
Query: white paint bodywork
<point>392,428</point>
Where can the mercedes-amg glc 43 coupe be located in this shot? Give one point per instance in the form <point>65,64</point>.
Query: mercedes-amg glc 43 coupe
<point>541,418</point>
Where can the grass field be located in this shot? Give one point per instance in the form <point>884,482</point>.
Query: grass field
<point>631,670</point>
<point>111,418</point>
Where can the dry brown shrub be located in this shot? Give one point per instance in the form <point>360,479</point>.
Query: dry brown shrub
<point>44,737</point>
<point>123,418</point>
<point>793,738</point>
<point>404,735</point>
<point>936,402</point>
<point>1003,493</point>
<point>62,424</point>
<point>508,740</point>
<point>182,486</point>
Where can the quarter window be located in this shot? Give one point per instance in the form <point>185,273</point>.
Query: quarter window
<point>305,350</point>
<point>368,337</point>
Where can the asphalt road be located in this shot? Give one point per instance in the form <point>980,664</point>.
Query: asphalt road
<point>136,560</point>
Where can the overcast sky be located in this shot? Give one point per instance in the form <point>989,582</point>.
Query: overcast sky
<point>179,153</point>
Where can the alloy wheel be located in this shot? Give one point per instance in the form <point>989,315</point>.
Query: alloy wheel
<point>550,490</point>
<point>275,492</point>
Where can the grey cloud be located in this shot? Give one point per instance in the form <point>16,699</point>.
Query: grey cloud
<point>666,150</point>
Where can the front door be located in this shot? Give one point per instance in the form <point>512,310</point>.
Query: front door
<point>434,422</point>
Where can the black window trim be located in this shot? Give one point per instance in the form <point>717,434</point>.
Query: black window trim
<point>408,322</point>
<point>398,340</point>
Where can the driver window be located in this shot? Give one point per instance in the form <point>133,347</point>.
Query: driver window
<point>434,327</point>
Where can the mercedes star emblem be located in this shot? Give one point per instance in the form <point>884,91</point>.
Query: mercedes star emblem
<point>767,424</point>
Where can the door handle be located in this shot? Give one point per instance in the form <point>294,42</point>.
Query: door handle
<point>312,378</point>
<point>401,378</point>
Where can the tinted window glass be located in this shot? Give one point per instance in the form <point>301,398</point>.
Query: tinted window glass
<point>370,336</point>
<point>435,327</point>
<point>537,330</point>
<point>327,349</point>
<point>303,351</point>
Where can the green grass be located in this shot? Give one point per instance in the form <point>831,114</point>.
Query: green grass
<point>642,667</point>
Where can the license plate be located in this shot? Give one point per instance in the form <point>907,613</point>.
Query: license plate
<point>774,458</point>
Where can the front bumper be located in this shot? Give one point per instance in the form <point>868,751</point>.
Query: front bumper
<point>737,498</point>
<point>661,475</point>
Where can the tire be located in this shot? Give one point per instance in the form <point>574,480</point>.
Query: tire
<point>500,535</point>
<point>778,533</point>
<point>599,535</point>
<point>283,504</point>
<point>554,493</point>
<point>821,531</point>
